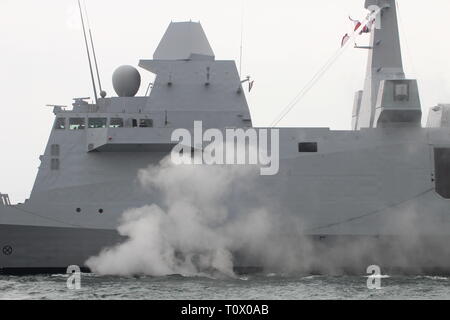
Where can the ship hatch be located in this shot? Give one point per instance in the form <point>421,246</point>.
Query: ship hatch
<point>442,171</point>
<point>307,147</point>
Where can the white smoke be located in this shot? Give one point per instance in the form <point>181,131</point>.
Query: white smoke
<point>211,219</point>
<point>195,228</point>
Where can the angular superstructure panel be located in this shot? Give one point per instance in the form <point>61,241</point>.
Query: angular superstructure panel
<point>195,86</point>
<point>184,41</point>
<point>398,104</point>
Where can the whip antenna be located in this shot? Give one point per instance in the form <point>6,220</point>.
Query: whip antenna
<point>102,93</point>
<point>88,54</point>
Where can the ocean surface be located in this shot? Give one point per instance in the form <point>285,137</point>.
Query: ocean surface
<point>268,286</point>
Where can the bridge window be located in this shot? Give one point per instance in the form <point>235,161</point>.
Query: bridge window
<point>146,123</point>
<point>307,147</point>
<point>116,123</point>
<point>60,124</point>
<point>76,123</point>
<point>95,123</point>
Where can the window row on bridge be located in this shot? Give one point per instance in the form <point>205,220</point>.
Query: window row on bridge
<point>94,123</point>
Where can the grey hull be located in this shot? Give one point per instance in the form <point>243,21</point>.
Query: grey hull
<point>52,250</point>
<point>31,249</point>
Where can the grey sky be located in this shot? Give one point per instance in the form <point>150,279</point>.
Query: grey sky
<point>285,42</point>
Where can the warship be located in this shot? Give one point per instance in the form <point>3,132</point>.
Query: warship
<point>385,183</point>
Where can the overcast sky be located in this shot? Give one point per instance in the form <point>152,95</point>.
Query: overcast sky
<point>43,60</point>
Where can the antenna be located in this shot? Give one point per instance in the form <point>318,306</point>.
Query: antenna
<point>88,54</point>
<point>102,93</point>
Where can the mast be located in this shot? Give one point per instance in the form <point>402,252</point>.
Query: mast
<point>102,93</point>
<point>384,60</point>
<point>88,54</point>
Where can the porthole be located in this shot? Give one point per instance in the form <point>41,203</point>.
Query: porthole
<point>100,210</point>
<point>7,250</point>
<point>78,210</point>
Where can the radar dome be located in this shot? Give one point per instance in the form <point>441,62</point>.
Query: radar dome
<point>126,81</point>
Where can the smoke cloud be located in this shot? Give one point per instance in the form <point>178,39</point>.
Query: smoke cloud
<point>197,226</point>
<point>211,219</point>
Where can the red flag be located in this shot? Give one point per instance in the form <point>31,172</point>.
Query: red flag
<point>345,39</point>
<point>365,29</point>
